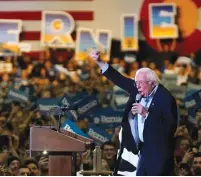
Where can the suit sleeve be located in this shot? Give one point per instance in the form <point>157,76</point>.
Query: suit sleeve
<point>170,114</point>
<point>118,79</point>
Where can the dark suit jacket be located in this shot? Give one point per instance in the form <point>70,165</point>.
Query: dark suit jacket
<point>159,128</point>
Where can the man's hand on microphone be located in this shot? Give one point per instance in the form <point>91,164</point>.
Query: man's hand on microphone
<point>139,109</point>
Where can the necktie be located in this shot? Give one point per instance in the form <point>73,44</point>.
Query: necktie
<point>137,138</point>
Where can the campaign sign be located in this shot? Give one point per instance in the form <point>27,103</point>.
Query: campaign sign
<point>17,95</point>
<point>191,105</point>
<point>66,101</point>
<point>197,96</point>
<point>87,104</point>
<point>107,116</point>
<point>48,106</point>
<point>56,29</point>
<point>72,127</point>
<point>97,134</point>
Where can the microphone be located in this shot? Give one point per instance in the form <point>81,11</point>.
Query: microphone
<point>68,107</point>
<point>64,108</point>
<point>138,98</point>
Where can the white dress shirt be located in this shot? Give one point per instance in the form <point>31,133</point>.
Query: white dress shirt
<point>141,120</point>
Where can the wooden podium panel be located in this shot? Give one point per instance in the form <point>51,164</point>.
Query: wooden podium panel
<point>60,146</point>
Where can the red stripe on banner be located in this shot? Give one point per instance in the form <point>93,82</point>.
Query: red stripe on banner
<point>36,54</point>
<point>37,15</point>
<point>30,36</point>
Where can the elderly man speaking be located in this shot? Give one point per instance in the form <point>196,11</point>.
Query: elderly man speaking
<point>148,124</point>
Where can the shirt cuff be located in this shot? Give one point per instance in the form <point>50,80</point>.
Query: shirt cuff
<point>103,67</point>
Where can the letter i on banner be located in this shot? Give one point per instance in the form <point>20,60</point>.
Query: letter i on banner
<point>129,32</point>
<point>162,21</point>
<point>86,41</point>
<point>104,38</point>
<point>9,36</point>
<point>56,29</point>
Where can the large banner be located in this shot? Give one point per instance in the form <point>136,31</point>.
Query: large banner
<point>129,32</point>
<point>162,21</point>
<point>9,37</point>
<point>56,29</point>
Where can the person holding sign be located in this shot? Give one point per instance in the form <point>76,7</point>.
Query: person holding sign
<point>148,124</point>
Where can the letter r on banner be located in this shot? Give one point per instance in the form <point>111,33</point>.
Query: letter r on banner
<point>56,29</point>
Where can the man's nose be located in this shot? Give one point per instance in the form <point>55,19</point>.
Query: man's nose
<point>138,86</point>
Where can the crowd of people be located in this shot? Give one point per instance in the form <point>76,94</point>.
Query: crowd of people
<point>41,79</point>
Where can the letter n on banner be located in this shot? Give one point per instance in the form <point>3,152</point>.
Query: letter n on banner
<point>129,32</point>
<point>56,29</point>
<point>9,36</point>
<point>104,37</point>
<point>162,21</point>
<point>86,41</point>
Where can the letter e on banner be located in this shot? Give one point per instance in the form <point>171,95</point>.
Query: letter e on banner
<point>9,36</point>
<point>162,21</point>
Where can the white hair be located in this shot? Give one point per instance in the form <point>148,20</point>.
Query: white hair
<point>149,74</point>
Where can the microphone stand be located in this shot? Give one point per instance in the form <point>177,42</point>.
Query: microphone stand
<point>59,120</point>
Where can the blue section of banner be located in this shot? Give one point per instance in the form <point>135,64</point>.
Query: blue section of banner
<point>192,103</point>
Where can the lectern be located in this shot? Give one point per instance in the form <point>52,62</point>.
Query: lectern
<point>60,145</point>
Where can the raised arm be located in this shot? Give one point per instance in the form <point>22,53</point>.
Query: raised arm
<point>110,73</point>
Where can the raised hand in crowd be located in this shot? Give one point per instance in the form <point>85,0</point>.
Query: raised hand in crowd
<point>188,156</point>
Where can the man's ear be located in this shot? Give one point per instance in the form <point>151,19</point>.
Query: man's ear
<point>153,84</point>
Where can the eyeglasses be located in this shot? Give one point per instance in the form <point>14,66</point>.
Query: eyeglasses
<point>142,82</point>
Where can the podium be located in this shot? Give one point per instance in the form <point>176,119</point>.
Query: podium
<point>60,146</point>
